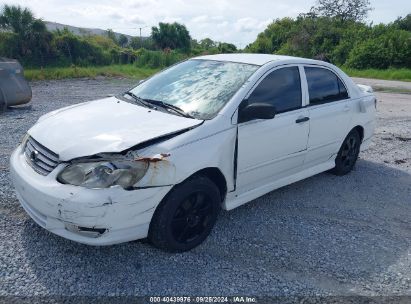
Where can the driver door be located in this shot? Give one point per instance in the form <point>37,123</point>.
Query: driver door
<point>274,148</point>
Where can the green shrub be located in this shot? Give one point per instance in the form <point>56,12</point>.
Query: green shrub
<point>391,49</point>
<point>350,43</point>
<point>8,44</point>
<point>157,59</point>
<point>79,51</point>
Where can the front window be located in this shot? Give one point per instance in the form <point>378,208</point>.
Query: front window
<point>281,88</point>
<point>199,87</point>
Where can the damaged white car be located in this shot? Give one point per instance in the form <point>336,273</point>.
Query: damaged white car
<point>210,133</point>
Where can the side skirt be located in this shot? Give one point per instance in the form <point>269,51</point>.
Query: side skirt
<point>233,201</point>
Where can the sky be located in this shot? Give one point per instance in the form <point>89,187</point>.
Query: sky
<point>235,21</point>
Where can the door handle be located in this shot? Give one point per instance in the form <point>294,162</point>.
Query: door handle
<point>302,119</point>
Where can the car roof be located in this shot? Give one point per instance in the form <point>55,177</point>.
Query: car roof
<point>257,59</point>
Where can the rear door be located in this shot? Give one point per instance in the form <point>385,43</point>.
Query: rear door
<point>329,111</point>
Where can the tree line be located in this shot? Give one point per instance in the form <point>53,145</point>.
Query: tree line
<point>26,38</point>
<point>334,31</point>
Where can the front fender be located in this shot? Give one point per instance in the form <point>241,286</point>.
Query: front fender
<point>174,160</point>
<point>161,172</point>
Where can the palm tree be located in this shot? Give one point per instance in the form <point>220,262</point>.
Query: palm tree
<point>31,33</point>
<point>171,35</point>
<point>16,19</point>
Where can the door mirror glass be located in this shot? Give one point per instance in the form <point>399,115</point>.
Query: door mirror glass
<point>256,110</point>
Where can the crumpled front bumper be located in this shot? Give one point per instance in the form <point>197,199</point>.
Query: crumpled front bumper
<point>89,216</point>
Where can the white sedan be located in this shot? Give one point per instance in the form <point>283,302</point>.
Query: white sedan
<point>210,133</point>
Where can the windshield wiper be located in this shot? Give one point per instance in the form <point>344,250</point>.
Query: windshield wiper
<point>169,106</point>
<point>151,103</point>
<point>139,100</point>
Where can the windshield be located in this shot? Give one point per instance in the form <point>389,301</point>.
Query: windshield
<point>198,87</point>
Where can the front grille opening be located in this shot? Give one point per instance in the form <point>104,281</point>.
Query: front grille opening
<point>86,231</point>
<point>98,230</point>
<point>41,159</point>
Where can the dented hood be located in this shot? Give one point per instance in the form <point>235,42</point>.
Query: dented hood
<point>106,125</point>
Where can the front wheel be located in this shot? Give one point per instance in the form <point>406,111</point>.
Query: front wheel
<point>348,154</point>
<point>185,218</point>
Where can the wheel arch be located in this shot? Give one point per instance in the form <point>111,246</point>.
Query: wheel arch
<point>212,173</point>
<point>216,176</point>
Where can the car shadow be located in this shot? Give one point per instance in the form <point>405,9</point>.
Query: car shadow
<point>328,234</point>
<point>18,110</point>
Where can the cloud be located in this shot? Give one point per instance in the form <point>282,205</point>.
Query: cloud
<point>141,3</point>
<point>246,24</point>
<point>115,16</point>
<point>250,24</point>
<point>223,24</point>
<point>217,18</point>
<point>137,20</point>
<point>200,19</point>
<point>171,19</point>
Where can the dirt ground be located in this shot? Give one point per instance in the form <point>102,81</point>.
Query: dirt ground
<point>325,235</point>
<point>392,141</point>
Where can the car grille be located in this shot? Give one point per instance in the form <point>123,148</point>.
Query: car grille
<point>41,159</point>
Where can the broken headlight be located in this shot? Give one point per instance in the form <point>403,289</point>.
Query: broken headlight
<point>104,174</point>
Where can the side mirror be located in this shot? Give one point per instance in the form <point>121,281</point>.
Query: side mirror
<point>257,110</point>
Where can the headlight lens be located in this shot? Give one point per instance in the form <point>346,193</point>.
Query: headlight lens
<point>104,174</point>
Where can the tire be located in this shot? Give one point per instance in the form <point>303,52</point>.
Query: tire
<point>186,216</point>
<point>3,105</point>
<point>348,154</point>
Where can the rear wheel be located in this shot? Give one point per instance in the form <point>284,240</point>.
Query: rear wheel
<point>3,105</point>
<point>348,154</point>
<point>185,218</point>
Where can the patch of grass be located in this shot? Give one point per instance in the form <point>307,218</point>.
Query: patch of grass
<point>388,74</point>
<point>126,70</point>
<point>132,71</point>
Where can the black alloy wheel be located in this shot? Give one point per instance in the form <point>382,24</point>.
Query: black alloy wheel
<point>348,154</point>
<point>191,217</point>
<point>186,216</point>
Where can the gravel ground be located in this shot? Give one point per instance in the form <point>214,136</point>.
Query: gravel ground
<point>325,235</point>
